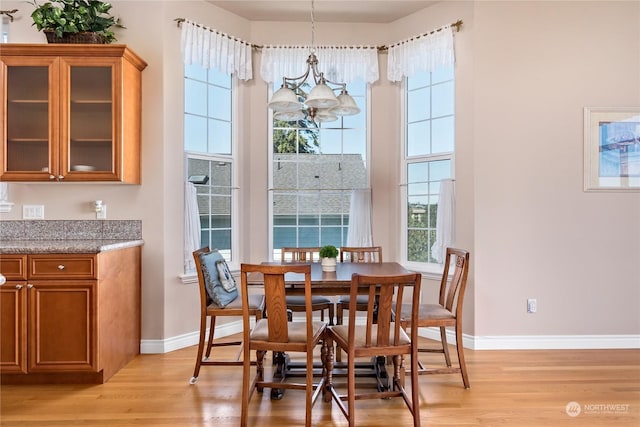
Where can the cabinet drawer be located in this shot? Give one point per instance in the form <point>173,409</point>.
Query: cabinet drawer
<point>14,267</point>
<point>62,267</point>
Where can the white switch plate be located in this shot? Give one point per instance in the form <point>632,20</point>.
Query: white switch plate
<point>103,213</point>
<point>33,212</point>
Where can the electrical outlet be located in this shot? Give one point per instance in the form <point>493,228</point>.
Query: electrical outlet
<point>33,212</point>
<point>532,305</point>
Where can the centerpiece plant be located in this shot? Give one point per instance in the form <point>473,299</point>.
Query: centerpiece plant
<point>328,255</point>
<point>75,21</point>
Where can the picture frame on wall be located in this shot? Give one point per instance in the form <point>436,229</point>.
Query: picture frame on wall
<point>612,149</point>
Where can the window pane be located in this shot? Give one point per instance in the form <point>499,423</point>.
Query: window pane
<point>418,138</point>
<point>355,142</point>
<point>284,236</point>
<point>308,236</point>
<point>195,131</point>
<point>442,99</point>
<point>418,80</point>
<point>219,79</point>
<point>219,137</point>
<point>219,103</point>
<point>442,74</point>
<point>196,72</point>
<point>330,141</point>
<point>418,105</point>
<point>195,97</point>
<point>417,172</point>
<point>442,134</point>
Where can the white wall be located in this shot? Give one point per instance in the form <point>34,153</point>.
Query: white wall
<point>524,71</point>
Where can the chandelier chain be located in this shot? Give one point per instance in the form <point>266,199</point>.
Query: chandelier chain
<point>313,28</point>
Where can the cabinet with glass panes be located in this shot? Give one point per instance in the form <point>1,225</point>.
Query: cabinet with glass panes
<point>71,113</point>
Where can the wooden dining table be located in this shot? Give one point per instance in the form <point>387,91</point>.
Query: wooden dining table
<point>327,283</point>
<point>332,283</point>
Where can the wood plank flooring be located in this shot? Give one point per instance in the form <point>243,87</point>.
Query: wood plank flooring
<point>508,388</point>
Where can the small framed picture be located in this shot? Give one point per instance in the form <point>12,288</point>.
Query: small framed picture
<point>612,149</point>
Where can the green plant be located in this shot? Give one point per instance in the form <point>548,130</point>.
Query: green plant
<point>328,251</point>
<point>74,16</point>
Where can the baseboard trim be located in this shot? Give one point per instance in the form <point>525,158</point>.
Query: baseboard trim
<point>498,342</point>
<point>538,342</point>
<point>187,340</point>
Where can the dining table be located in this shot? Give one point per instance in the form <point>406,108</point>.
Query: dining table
<point>331,283</point>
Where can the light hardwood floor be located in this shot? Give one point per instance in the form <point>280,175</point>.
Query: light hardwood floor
<point>508,388</point>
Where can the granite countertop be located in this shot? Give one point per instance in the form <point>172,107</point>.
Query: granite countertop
<point>68,236</point>
<point>65,246</point>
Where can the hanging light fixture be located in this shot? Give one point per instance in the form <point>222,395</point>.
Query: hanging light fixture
<point>291,102</point>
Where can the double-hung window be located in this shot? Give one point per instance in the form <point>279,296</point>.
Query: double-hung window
<point>209,154</point>
<point>429,145</point>
<point>313,169</point>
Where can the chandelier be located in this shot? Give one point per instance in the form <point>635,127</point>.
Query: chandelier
<point>292,103</point>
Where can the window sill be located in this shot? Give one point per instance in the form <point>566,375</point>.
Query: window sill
<point>428,270</point>
<point>191,278</point>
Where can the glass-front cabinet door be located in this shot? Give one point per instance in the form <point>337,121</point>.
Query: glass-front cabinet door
<point>31,116</point>
<point>89,128</point>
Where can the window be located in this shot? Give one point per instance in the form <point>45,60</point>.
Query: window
<point>209,154</point>
<point>4,29</point>
<point>312,172</point>
<point>428,157</point>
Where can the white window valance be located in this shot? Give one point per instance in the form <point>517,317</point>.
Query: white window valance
<point>425,53</point>
<point>339,64</point>
<point>212,49</point>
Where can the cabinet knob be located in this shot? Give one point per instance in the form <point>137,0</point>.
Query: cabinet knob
<point>29,286</point>
<point>61,267</point>
<point>2,279</point>
<point>52,177</point>
<point>18,286</point>
<point>60,177</point>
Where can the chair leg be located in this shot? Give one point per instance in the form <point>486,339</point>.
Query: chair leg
<point>339,320</point>
<point>331,315</point>
<point>445,346</point>
<point>196,371</point>
<point>212,328</point>
<point>461,361</point>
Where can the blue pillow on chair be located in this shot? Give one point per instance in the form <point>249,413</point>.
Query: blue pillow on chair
<point>220,284</point>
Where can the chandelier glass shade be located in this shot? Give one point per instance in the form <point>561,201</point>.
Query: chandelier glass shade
<point>296,99</point>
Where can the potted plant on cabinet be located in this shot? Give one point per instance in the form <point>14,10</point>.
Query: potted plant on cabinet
<point>328,255</point>
<point>75,21</point>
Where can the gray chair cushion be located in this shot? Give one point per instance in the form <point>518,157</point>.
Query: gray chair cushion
<point>220,284</point>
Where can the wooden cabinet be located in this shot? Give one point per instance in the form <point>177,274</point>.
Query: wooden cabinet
<point>71,113</point>
<point>69,318</point>
<point>13,314</point>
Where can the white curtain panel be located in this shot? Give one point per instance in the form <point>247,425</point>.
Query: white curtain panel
<point>425,53</point>
<point>360,227</point>
<point>339,64</point>
<point>191,226</point>
<point>445,221</point>
<point>211,49</point>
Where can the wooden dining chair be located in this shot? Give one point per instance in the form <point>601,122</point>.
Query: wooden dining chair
<point>372,339</point>
<point>355,254</point>
<point>214,307</point>
<point>275,333</point>
<point>318,302</point>
<point>447,313</point>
